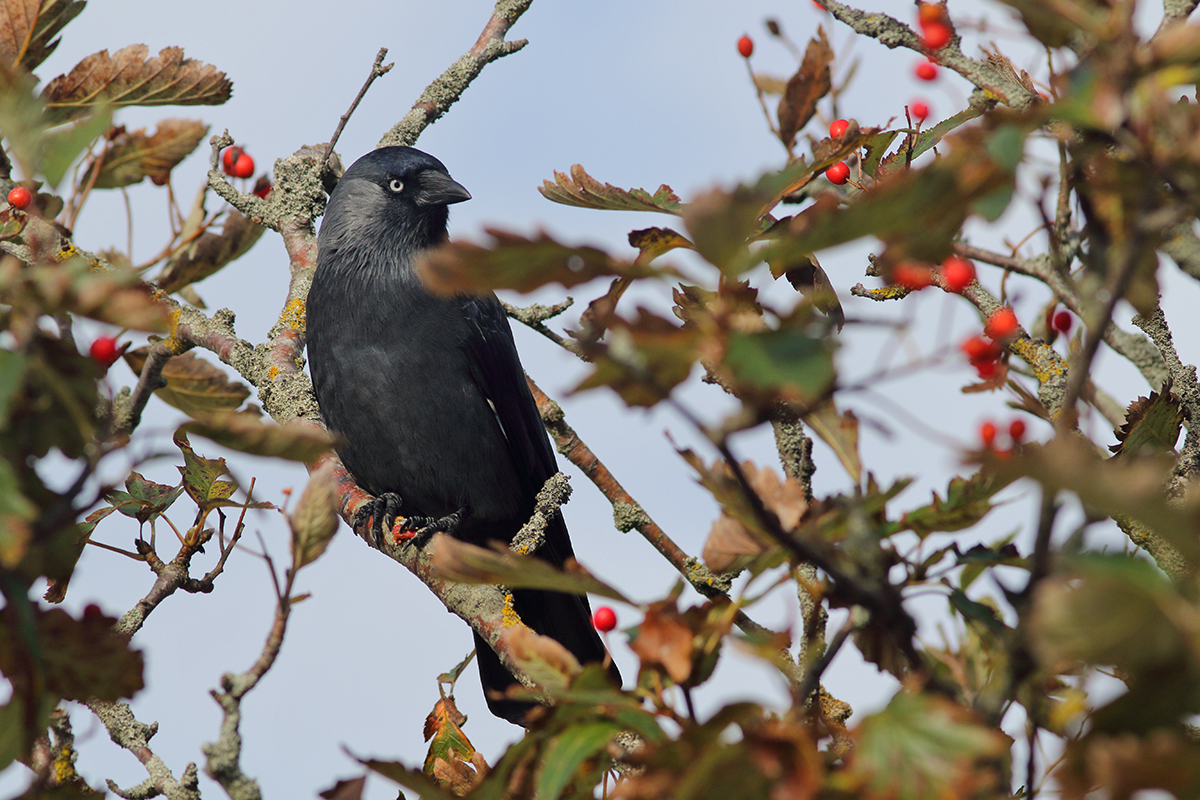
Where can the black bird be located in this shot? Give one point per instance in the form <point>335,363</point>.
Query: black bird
<point>427,392</point>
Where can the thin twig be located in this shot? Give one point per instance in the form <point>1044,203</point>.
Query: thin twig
<point>378,70</point>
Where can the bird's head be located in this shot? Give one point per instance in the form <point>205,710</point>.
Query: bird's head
<point>392,198</point>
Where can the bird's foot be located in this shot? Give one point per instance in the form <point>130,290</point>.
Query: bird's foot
<point>419,530</point>
<point>382,511</point>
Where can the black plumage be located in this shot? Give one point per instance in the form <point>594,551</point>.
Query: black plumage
<point>428,392</point>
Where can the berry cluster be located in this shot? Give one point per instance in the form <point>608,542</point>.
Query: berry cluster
<point>935,26</point>
<point>237,163</point>
<point>988,433</point>
<point>956,274</point>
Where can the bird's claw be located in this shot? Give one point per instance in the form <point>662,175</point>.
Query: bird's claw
<point>382,511</point>
<point>419,530</point>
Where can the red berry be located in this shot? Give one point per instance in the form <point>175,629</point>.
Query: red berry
<point>978,348</point>
<point>839,173</point>
<point>1062,322</point>
<point>104,351</point>
<point>20,197</point>
<point>262,187</point>
<point>838,128</point>
<point>92,610</point>
<point>919,110</point>
<point>605,619</point>
<point>986,369</point>
<point>927,71</point>
<point>987,434</point>
<point>236,162</point>
<point>930,12</point>
<point>746,46</point>
<point>958,273</point>
<point>911,276</point>
<point>1016,430</point>
<point>1001,324</point>
<point>935,35</point>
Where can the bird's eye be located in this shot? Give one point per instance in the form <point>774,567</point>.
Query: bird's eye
<point>396,185</point>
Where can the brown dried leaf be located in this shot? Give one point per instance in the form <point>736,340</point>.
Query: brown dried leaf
<point>315,520</point>
<point>730,545</point>
<point>193,385</point>
<point>804,89</point>
<point>210,252</point>
<point>785,498</point>
<point>664,640</point>
<point>248,432</point>
<point>132,156</point>
<point>129,78</point>
<point>840,432</point>
<point>17,20</point>
<point>582,190</point>
<point>547,662</point>
<point>351,789</point>
<point>51,18</point>
<point>452,760</point>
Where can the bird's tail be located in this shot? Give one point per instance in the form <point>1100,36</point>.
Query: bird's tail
<point>566,618</point>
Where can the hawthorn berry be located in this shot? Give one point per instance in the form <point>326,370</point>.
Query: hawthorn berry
<point>919,110</point>
<point>986,369</point>
<point>1001,324</point>
<point>935,35</point>
<point>1062,322</point>
<point>928,13</point>
<point>839,173</point>
<point>605,619</point>
<point>911,276</point>
<point>927,71</point>
<point>237,162</point>
<point>978,348</point>
<point>958,273</point>
<point>20,197</point>
<point>838,128</point>
<point>92,610</point>
<point>1016,430</point>
<point>104,351</point>
<point>745,46</point>
<point>987,434</point>
<point>262,187</point>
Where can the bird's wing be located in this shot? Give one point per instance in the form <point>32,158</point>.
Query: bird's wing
<point>497,371</point>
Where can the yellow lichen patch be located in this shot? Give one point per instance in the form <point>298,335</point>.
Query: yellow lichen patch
<point>69,251</point>
<point>273,372</point>
<point>892,292</point>
<point>511,618</point>
<point>293,314</point>
<point>1046,363</point>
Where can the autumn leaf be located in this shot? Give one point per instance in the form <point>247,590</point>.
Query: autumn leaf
<point>811,82</point>
<point>250,433</point>
<point>1151,425</point>
<point>730,546</point>
<point>582,190</point>
<point>664,640</point>
<point>131,156</point>
<point>544,660</point>
<point>129,78</point>
<point>463,562</point>
<point>201,476</point>
<point>28,26</point>
<point>452,760</point>
<point>315,519</point>
<point>193,385</point>
<point>210,252</point>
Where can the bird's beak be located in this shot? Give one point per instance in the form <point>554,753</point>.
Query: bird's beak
<point>437,188</point>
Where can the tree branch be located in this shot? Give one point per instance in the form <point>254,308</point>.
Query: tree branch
<point>448,88</point>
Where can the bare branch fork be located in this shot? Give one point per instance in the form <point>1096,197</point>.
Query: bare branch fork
<point>377,71</point>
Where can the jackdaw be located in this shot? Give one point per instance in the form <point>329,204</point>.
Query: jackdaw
<point>427,392</point>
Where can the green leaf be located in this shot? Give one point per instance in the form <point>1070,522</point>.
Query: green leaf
<point>1151,427</point>
<point>1113,610</point>
<point>968,500</point>
<point>920,746</point>
<point>62,147</point>
<point>784,364</point>
<point>566,753</point>
<point>582,190</point>
<point>467,563</point>
<point>201,475</point>
<point>978,612</point>
<point>145,499</point>
<point>12,378</point>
